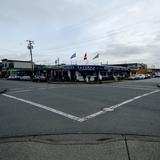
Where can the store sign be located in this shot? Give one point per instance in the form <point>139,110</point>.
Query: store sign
<point>93,67</point>
<point>69,67</point>
<point>86,68</point>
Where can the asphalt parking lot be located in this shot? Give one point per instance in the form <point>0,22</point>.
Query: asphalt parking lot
<point>128,107</point>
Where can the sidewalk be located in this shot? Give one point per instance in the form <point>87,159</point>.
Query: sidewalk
<point>80,147</point>
<point>92,82</point>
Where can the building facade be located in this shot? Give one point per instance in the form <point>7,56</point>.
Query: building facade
<point>134,68</point>
<point>15,67</point>
<point>0,70</point>
<point>73,72</point>
<point>86,72</point>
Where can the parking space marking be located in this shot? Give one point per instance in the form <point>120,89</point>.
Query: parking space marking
<point>83,119</point>
<point>16,89</point>
<point>43,88</point>
<point>138,86</point>
<point>134,88</point>
<point>21,91</point>
<point>37,88</point>
<point>45,107</point>
<point>112,108</point>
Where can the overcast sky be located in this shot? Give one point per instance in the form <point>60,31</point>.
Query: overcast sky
<point>122,31</point>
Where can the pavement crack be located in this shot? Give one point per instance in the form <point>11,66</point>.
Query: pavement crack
<point>127,148</point>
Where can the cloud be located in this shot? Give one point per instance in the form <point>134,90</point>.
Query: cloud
<point>120,53</point>
<point>123,50</point>
<point>119,30</point>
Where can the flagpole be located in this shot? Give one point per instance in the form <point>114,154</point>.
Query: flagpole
<point>96,62</point>
<point>73,56</point>
<point>85,58</point>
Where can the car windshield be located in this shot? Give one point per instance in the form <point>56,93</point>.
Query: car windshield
<point>76,67</point>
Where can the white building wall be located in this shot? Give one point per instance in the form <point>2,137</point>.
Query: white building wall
<point>22,65</point>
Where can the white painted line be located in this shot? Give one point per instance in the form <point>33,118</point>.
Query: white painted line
<point>23,88</point>
<point>45,107</point>
<point>21,91</point>
<point>93,115</point>
<point>31,87</point>
<point>52,87</point>
<point>17,89</point>
<point>112,108</point>
<point>42,88</point>
<point>108,109</point>
<point>138,86</point>
<point>134,88</point>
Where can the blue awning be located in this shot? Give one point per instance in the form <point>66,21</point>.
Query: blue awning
<point>95,67</point>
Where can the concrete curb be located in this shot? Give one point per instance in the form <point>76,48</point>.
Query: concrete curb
<point>3,90</point>
<point>94,146</point>
<point>52,82</point>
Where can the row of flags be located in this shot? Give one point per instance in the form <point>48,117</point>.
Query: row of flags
<point>85,56</point>
<point>74,56</point>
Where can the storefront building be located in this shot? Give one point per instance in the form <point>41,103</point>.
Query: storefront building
<point>21,68</point>
<point>134,68</point>
<point>87,72</point>
<point>15,67</point>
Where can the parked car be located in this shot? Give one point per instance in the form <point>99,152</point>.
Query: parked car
<point>157,74</point>
<point>39,79</point>
<point>132,77</point>
<point>10,78</point>
<point>13,78</point>
<point>25,78</point>
<point>140,76</point>
<point>147,76</point>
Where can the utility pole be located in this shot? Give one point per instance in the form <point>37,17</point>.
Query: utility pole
<point>58,67</point>
<point>58,61</point>
<point>30,47</point>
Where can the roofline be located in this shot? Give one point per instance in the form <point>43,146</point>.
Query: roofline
<point>15,60</point>
<point>126,63</point>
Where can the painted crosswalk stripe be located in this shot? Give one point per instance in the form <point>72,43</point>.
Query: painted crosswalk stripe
<point>83,119</point>
<point>45,107</point>
<point>112,108</point>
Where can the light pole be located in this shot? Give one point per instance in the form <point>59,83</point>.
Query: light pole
<point>30,47</point>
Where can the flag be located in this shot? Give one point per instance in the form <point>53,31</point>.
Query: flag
<point>85,56</point>
<point>73,56</point>
<point>97,56</point>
